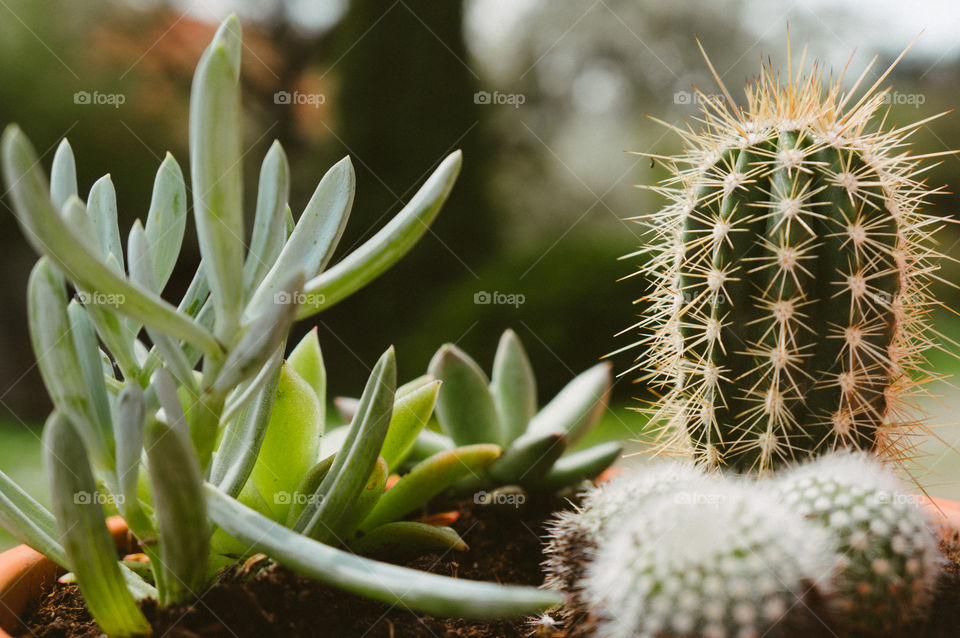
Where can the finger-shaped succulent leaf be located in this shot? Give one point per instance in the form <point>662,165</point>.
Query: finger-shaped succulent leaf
<point>28,521</point>
<point>131,410</point>
<point>88,355</point>
<point>102,208</point>
<point>269,225</point>
<point>399,536</point>
<point>316,234</point>
<point>465,407</point>
<point>307,359</point>
<point>427,479</point>
<point>384,249</point>
<point>59,362</point>
<point>578,406</point>
<point>528,458</point>
<point>143,267</point>
<point>238,398</point>
<point>216,171</point>
<point>63,175</point>
<point>291,442</point>
<point>325,515</point>
<point>197,293</point>
<point>429,443</point>
<point>580,466</point>
<point>411,412</point>
<point>161,383</point>
<point>513,386</point>
<point>367,499</point>
<point>243,437</point>
<point>261,336</point>
<point>309,485</point>
<point>417,590</point>
<point>181,512</point>
<point>166,220</point>
<point>91,554</point>
<point>50,235</point>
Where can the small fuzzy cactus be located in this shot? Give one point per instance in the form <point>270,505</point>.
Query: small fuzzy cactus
<point>712,559</point>
<point>888,558</point>
<point>791,273</point>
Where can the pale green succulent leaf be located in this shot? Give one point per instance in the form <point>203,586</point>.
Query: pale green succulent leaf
<point>307,359</point>
<point>131,410</point>
<point>28,521</point>
<point>269,225</point>
<point>427,444</point>
<point>384,249</point>
<point>87,542</point>
<point>164,388</point>
<point>411,413</point>
<point>366,500</point>
<point>578,406</point>
<point>429,478</point>
<point>400,536</point>
<point>309,485</point>
<point>513,386</point>
<point>102,208</point>
<point>391,584</point>
<point>63,175</point>
<point>88,355</point>
<point>166,220</point>
<point>240,397</point>
<point>528,458</point>
<point>465,408</point>
<point>581,465</point>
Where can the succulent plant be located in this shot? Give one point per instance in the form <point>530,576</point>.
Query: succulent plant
<point>472,409</point>
<point>885,544</point>
<point>791,273</point>
<point>168,446</point>
<point>712,559</point>
<point>336,492</point>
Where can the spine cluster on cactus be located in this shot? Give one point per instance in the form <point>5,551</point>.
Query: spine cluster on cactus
<point>889,559</point>
<point>711,559</point>
<point>791,272</point>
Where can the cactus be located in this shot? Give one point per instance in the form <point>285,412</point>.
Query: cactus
<point>886,547</point>
<point>790,273</point>
<point>711,559</point>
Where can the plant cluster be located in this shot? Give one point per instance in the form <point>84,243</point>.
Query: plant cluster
<point>184,418</point>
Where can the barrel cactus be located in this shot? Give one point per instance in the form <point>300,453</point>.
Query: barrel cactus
<point>791,272</point>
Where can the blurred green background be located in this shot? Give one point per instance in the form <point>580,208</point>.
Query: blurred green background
<point>543,97</point>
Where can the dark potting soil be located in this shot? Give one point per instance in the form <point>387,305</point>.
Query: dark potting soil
<point>505,547</point>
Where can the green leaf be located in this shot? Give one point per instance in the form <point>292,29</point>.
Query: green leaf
<point>307,359</point>
<point>216,171</point>
<point>578,407</point>
<point>166,392</point>
<point>50,235</point>
<point>390,584</point>
<point>131,412</point>
<point>88,355</point>
<point>384,249</point>
<point>324,517</point>
<point>63,175</point>
<point>261,337</point>
<point>28,521</point>
<point>411,412</point>
<point>102,208</point>
<point>166,220</point>
<point>269,226</point>
<point>87,542</point>
<point>580,466</point>
<point>242,438</point>
<point>291,443</point>
<point>308,486</point>
<point>427,479</point>
<point>429,443</point>
<point>400,536</point>
<point>316,234</point>
<point>465,407</point>
<point>528,458</point>
<point>59,362</point>
<point>181,512</point>
<point>367,500</point>
<point>513,386</point>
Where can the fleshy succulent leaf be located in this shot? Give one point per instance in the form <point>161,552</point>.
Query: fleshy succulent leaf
<point>307,359</point>
<point>465,408</point>
<point>528,458</point>
<point>366,500</point>
<point>513,386</point>
<point>269,225</point>
<point>581,465</point>
<point>398,536</point>
<point>28,521</point>
<point>131,410</point>
<point>411,412</point>
<point>102,207</point>
<point>63,175</point>
<point>577,407</point>
<point>166,220</point>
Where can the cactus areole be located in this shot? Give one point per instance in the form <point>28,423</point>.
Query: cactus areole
<point>791,270</point>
